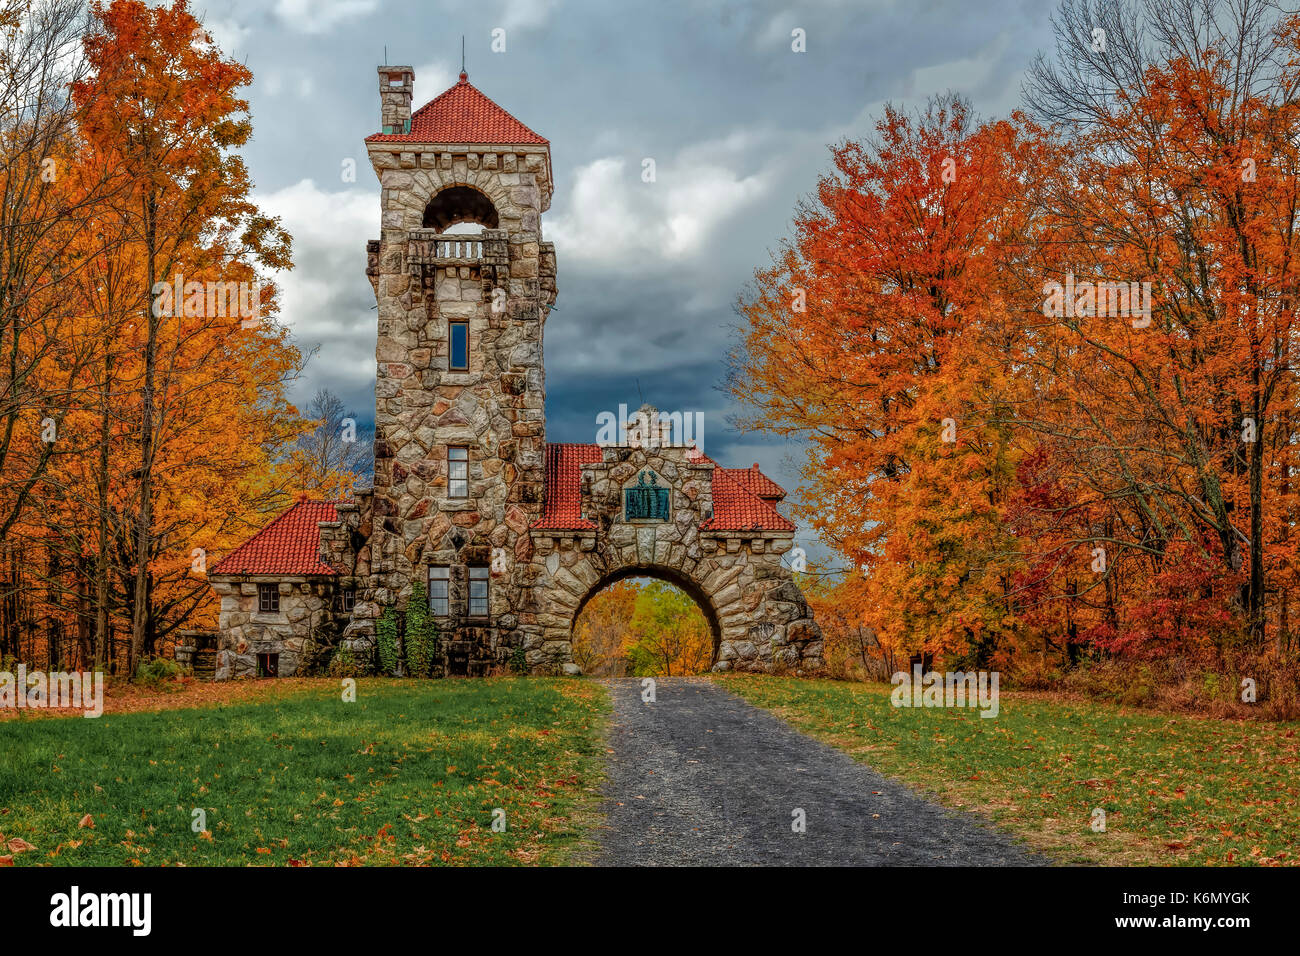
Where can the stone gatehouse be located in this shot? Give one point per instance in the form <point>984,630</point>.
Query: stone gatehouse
<point>504,535</point>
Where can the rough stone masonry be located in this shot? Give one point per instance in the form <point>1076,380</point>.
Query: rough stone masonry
<point>507,537</point>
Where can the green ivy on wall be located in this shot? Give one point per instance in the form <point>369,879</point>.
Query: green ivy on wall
<point>386,641</point>
<point>421,633</point>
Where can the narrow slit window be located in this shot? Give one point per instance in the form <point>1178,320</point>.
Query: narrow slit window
<point>457,471</point>
<point>268,598</point>
<point>439,579</point>
<point>459,334</point>
<point>478,592</point>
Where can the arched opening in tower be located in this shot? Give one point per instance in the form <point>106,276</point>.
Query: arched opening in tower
<point>459,204</point>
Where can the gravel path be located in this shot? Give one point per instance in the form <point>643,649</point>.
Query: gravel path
<point>700,777</point>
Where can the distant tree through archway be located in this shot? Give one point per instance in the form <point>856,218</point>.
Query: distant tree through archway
<point>643,625</point>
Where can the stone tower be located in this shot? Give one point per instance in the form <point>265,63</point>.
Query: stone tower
<point>460,424</point>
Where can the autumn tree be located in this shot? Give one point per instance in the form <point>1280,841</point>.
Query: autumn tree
<point>1045,367</point>
<point>669,635</point>
<point>880,335</point>
<point>601,632</point>
<point>163,105</point>
<point>47,217</point>
<point>1168,428</point>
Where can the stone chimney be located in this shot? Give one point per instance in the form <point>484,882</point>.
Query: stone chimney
<point>395,87</point>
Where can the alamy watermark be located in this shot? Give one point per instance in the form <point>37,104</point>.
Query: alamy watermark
<point>75,690</point>
<point>643,430</point>
<point>1085,298</point>
<point>946,689</point>
<point>212,300</point>
<point>75,909</point>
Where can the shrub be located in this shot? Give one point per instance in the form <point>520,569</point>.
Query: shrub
<point>344,663</point>
<point>157,671</point>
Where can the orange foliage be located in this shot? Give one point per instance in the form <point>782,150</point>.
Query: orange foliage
<point>171,437</point>
<point>1007,477</point>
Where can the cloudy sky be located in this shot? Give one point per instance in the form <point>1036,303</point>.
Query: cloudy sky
<point>738,125</point>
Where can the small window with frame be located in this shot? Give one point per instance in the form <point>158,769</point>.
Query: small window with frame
<point>457,471</point>
<point>439,590</point>
<point>458,346</point>
<point>479,578</point>
<point>345,600</point>
<point>268,598</point>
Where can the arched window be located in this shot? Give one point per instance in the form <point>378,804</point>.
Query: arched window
<point>457,204</point>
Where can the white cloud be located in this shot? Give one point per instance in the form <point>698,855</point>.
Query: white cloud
<point>228,35</point>
<point>776,35</point>
<point>613,219</point>
<point>326,299</point>
<point>526,14</point>
<point>430,80</point>
<point>318,16</point>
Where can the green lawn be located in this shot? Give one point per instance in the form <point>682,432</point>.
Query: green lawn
<point>1176,790</point>
<point>408,774</point>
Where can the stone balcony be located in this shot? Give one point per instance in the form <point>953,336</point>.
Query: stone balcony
<point>431,248</point>
<point>429,252</point>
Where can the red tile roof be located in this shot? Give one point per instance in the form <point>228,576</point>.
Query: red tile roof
<point>735,506</point>
<point>755,482</point>
<point>462,114</point>
<point>562,507</point>
<point>290,544</point>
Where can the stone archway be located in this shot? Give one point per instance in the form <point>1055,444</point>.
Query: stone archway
<point>712,536</point>
<point>683,584</point>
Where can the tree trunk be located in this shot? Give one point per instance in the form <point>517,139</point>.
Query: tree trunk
<point>101,504</point>
<point>1256,593</point>
<point>144,523</point>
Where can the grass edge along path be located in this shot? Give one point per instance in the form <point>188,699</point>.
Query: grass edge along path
<point>409,774</point>
<point>1175,789</point>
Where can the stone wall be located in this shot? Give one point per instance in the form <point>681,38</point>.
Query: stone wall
<point>306,606</point>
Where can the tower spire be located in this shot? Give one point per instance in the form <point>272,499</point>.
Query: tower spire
<point>463,75</point>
